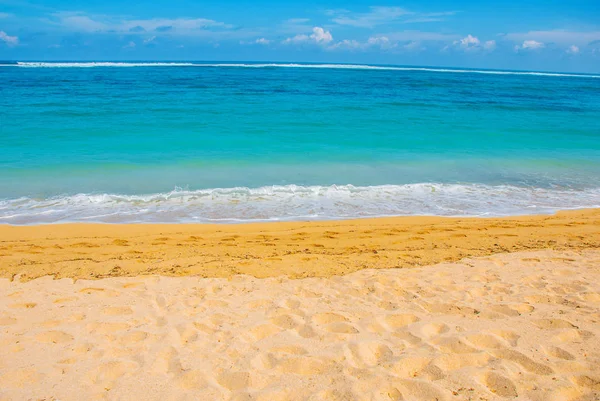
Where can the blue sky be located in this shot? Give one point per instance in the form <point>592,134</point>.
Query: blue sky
<point>534,35</point>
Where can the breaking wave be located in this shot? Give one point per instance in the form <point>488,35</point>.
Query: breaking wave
<point>285,65</point>
<point>291,202</point>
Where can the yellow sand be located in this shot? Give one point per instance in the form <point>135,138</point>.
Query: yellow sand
<point>522,324</point>
<point>316,249</point>
<point>503,325</point>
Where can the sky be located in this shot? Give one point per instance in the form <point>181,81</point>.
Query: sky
<point>537,35</point>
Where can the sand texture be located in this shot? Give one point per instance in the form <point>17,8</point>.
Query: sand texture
<point>315,249</point>
<point>523,325</point>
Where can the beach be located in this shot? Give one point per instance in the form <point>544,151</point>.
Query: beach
<point>297,231</point>
<point>407,308</point>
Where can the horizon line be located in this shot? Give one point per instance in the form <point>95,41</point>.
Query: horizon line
<point>7,63</point>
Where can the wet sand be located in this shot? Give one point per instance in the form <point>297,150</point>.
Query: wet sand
<point>302,249</point>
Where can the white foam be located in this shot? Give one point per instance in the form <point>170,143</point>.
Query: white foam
<point>93,64</point>
<point>291,202</point>
<point>290,65</point>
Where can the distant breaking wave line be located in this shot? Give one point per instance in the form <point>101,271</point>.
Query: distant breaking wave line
<point>289,65</point>
<point>293,202</point>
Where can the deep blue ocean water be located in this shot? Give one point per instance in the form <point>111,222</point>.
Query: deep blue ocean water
<point>225,143</point>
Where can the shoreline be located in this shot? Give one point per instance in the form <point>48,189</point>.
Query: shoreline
<point>242,222</point>
<point>294,249</point>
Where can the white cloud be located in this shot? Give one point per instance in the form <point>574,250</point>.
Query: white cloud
<point>377,43</point>
<point>384,15</point>
<point>9,40</point>
<point>80,22</point>
<point>381,42</point>
<point>174,25</point>
<point>398,41</point>
<point>472,43</point>
<point>129,45</point>
<point>489,45</point>
<point>559,36</point>
<point>347,44</point>
<point>149,40</point>
<point>413,46</point>
<point>573,49</point>
<point>420,36</point>
<point>469,42</point>
<point>259,41</point>
<point>530,45</point>
<point>319,36</point>
<point>301,38</point>
<point>376,16</point>
<point>5,15</point>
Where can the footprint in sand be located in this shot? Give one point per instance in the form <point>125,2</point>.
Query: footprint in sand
<point>367,353</point>
<point>65,300</point>
<point>106,327</point>
<point>306,331</point>
<point>572,335</point>
<point>485,341</point>
<point>587,381</point>
<point>167,361</point>
<point>132,337</point>
<point>234,381</point>
<point>557,352</point>
<point>510,336</point>
<point>187,333</point>
<point>286,321</point>
<point>452,362</point>
<point>192,380</point>
<point>504,310</point>
<point>341,328</point>
<point>423,390</point>
<point>307,366</point>
<point>107,373</point>
<point>54,337</point>
<point>264,330</point>
<point>328,317</point>
<point>500,385</point>
<point>549,324</point>
<point>117,311</point>
<point>454,345</point>
<point>20,378</point>
<point>289,349</point>
<point>396,321</point>
<point>27,305</point>
<point>7,321</point>
<point>407,367</point>
<point>264,361</point>
<point>526,362</point>
<point>433,329</point>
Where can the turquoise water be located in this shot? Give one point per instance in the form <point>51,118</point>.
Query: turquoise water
<point>206,142</point>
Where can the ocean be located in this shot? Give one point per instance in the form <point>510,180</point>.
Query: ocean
<point>200,142</point>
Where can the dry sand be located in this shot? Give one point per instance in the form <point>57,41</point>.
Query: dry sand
<point>316,249</point>
<point>503,325</point>
<point>523,325</point>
